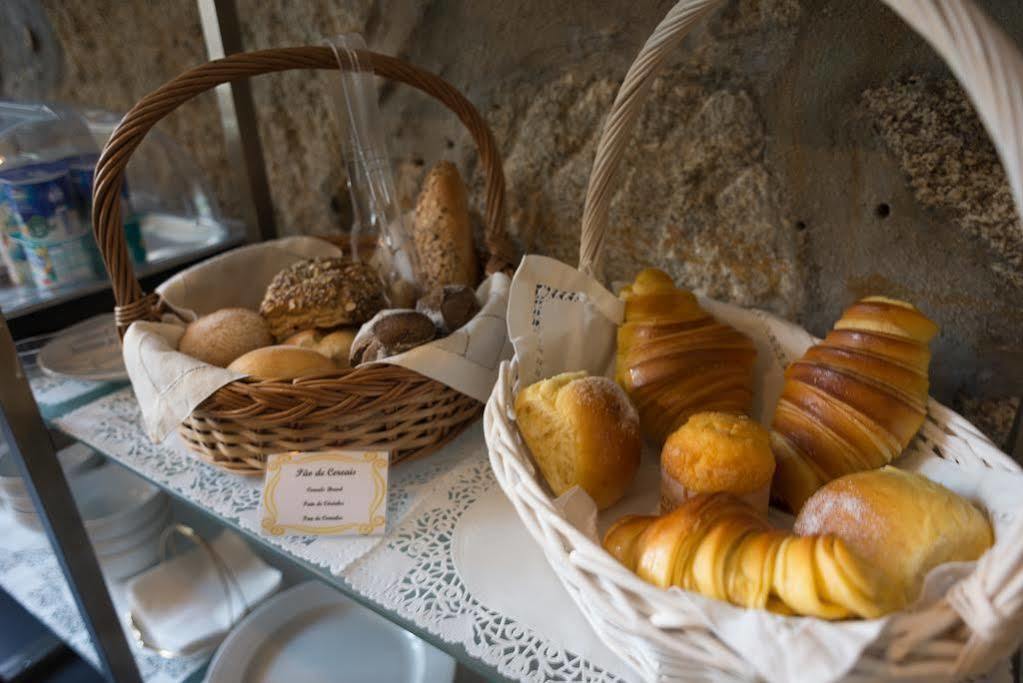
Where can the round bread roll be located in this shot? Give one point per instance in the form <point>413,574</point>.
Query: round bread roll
<point>717,453</point>
<point>222,336</point>
<point>282,362</point>
<point>899,521</point>
<point>582,431</point>
<point>321,293</point>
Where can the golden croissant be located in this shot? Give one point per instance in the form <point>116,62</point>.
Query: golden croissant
<point>674,359</point>
<point>854,401</point>
<point>718,545</point>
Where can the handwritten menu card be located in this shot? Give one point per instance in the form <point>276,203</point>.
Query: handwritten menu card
<point>326,493</point>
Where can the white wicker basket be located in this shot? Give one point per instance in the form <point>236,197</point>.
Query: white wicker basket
<point>979,621</point>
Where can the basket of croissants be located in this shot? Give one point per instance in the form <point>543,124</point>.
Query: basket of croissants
<point>726,497</point>
<point>306,354</point>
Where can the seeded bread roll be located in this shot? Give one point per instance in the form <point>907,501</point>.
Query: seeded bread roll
<point>321,293</point>
<point>717,453</point>
<point>442,232</point>
<point>282,362</point>
<point>222,336</point>
<point>899,521</point>
<point>582,431</point>
<point>449,306</point>
<point>389,333</point>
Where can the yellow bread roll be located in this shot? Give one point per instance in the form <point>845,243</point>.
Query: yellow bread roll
<point>719,546</point>
<point>853,401</point>
<point>674,359</point>
<point>899,521</point>
<point>222,336</point>
<point>282,362</point>
<point>582,431</point>
<point>717,452</point>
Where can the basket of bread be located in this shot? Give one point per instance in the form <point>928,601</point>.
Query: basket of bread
<point>295,344</point>
<point>727,497</point>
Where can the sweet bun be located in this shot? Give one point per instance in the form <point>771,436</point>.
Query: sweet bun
<point>222,336</point>
<point>282,362</point>
<point>899,521</point>
<point>321,293</point>
<point>717,452</point>
<point>582,431</point>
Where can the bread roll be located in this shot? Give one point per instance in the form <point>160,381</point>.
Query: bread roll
<point>717,452</point>
<point>899,521</point>
<point>442,232</point>
<point>674,359</point>
<point>721,547</point>
<point>389,333</point>
<point>449,307</point>
<point>854,401</point>
<point>321,293</point>
<point>222,336</point>
<point>582,431</point>
<point>282,362</point>
<point>334,345</point>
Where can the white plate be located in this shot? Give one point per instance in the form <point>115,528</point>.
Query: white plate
<point>146,530</point>
<point>87,350</point>
<point>311,633</point>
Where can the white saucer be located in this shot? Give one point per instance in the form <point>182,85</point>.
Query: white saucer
<point>311,633</point>
<point>89,350</point>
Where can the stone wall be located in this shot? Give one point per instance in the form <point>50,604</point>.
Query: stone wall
<point>795,154</point>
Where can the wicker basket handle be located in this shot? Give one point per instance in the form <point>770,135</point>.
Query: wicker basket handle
<point>980,55</point>
<point>990,69</point>
<point>132,303</point>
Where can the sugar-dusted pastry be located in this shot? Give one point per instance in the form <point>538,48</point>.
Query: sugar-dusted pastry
<point>321,293</point>
<point>899,521</point>
<point>389,333</point>
<point>854,401</point>
<point>674,359</point>
<point>717,452</point>
<point>581,431</point>
<point>442,231</point>
<point>222,336</point>
<point>719,546</point>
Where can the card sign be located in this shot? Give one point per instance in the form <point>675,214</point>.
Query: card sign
<point>326,493</point>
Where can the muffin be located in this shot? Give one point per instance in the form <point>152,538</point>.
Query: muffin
<point>717,452</point>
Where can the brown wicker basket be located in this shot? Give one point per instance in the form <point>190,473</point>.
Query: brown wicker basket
<point>374,406</point>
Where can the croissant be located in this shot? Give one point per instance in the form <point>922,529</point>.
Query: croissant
<point>674,359</point>
<point>854,401</point>
<point>718,545</point>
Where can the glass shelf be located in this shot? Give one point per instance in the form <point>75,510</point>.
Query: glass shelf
<point>170,241</point>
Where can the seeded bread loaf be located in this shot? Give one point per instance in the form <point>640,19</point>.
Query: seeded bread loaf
<point>442,232</point>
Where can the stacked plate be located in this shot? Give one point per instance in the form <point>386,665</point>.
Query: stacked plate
<point>14,496</point>
<point>124,515</point>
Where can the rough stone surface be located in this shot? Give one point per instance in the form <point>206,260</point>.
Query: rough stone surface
<point>994,416</point>
<point>951,164</point>
<point>757,172</point>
